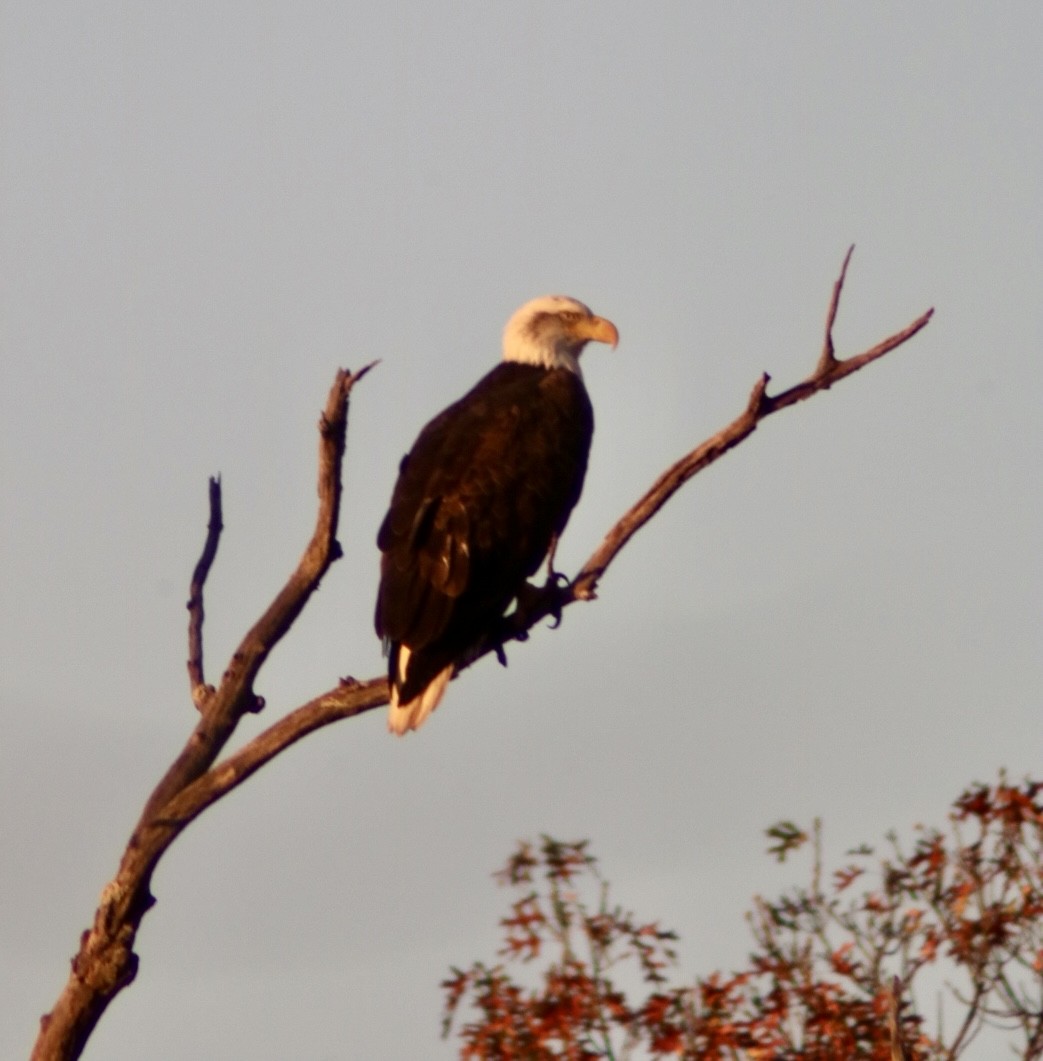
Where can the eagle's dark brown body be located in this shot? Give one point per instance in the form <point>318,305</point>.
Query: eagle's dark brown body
<point>481,498</point>
<point>486,488</point>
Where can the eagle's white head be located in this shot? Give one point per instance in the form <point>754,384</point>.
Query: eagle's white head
<point>551,331</point>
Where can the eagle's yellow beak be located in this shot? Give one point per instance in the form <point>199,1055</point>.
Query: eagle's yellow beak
<point>596,329</point>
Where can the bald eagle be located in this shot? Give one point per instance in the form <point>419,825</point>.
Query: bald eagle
<point>481,499</point>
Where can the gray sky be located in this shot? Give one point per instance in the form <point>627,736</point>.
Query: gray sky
<point>206,208</point>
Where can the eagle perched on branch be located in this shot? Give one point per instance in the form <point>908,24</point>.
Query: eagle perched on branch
<point>481,499</point>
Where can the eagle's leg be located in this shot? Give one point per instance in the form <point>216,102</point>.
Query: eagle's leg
<point>552,575</point>
<point>556,584</point>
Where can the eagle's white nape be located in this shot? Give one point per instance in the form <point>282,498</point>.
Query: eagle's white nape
<point>551,332</point>
<point>412,715</point>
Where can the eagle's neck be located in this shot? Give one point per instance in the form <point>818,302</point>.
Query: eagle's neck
<point>541,346</point>
<point>542,357</point>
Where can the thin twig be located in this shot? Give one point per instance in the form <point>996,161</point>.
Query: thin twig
<point>828,357</point>
<point>197,681</point>
<point>971,1023</point>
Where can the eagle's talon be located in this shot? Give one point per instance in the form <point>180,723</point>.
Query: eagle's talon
<point>556,589</point>
<point>558,585</point>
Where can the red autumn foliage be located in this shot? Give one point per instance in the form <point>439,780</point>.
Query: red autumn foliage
<point>833,974</point>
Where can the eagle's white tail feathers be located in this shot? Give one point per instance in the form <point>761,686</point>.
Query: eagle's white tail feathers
<point>404,717</point>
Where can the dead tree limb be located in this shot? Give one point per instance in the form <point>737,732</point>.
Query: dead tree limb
<point>106,962</point>
<point>760,405</point>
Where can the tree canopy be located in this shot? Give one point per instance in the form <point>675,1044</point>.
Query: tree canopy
<point>911,951</point>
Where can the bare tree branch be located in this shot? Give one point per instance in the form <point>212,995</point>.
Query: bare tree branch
<point>760,405</point>
<point>350,698</point>
<point>106,962</point>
